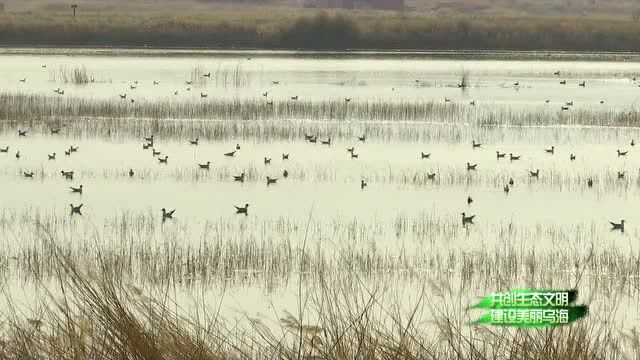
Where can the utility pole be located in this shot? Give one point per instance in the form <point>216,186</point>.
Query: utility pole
<point>74,7</point>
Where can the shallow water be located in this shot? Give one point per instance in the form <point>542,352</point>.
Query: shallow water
<point>400,217</point>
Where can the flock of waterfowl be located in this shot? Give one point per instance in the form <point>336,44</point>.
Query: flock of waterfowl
<point>150,140</point>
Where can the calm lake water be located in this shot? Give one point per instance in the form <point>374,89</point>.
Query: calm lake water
<point>555,212</point>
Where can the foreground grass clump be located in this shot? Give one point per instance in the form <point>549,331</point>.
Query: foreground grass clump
<point>293,28</point>
<point>97,315</point>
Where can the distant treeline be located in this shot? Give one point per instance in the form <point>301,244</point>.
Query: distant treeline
<point>322,31</point>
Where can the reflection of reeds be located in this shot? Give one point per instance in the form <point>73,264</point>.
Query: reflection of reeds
<point>93,311</point>
<point>262,252</point>
<point>35,108</point>
<point>76,76</point>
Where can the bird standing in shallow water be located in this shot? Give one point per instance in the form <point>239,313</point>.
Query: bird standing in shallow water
<point>469,200</point>
<point>363,184</point>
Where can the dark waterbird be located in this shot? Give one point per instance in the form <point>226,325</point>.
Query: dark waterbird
<point>467,219</point>
<point>271,180</point>
<point>424,156</point>
<point>76,209</point>
<point>167,214</point>
<point>619,226</point>
<point>499,155</point>
<point>242,210</point>
<point>76,189</point>
<point>239,178</point>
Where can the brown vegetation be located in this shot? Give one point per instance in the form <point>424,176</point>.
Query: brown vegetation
<point>289,29</point>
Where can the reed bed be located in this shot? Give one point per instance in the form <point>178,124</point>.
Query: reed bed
<point>95,314</point>
<point>76,75</point>
<point>35,109</point>
<point>266,253</point>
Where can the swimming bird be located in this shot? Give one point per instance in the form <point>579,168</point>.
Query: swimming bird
<point>619,226</point>
<point>269,103</point>
<point>601,101</point>
<point>570,103</point>
<point>362,138</point>
<point>194,142</point>
<point>424,156</point>
<point>267,161</point>
<point>354,155</point>
<point>76,190</point>
<point>52,156</point>
<point>363,184</point>
<point>347,99</point>
<point>28,174</point>
<point>188,82</point>
<point>506,189</point>
<point>285,173</point>
<point>498,155</point>
<point>511,182</point>
<point>167,214</point>
<point>313,140</point>
<point>154,152</point>
<point>516,83</point>
<point>132,87</point>
<point>472,103</point>
<point>156,82</point>
<point>149,139</point>
<point>132,101</point>
<point>621,174</point>
<point>44,66</point>
<point>136,82</point>
<point>431,176</point>
<point>18,155</point>
<point>513,157</point>
<point>237,146</point>
<point>175,92</point>
<point>572,157</point>
<point>308,137</point>
<point>76,209</point>
<point>534,174</point>
<point>351,149</point>
<point>57,91</point>
<point>550,151</point>
<point>285,156</point>
<point>294,97</point>
<point>556,73</point>
<point>22,132</point>
<point>327,142</point>
<point>54,131</point>
<point>67,174</point>
<point>131,173</point>
<point>447,100</point>
<point>546,101</point>
<point>230,153</point>
<point>23,80</point>
<point>242,210</point>
<point>622,153</point>
<point>469,200</point>
<point>164,161</point>
<point>188,88</point>
<point>563,82</point>
<point>205,166</point>
<point>583,84</point>
<point>467,219</point>
<point>275,82</point>
<point>471,167</point>
<point>123,96</point>
<point>5,150</point>
<point>203,95</point>
<point>265,94</point>
<point>207,74</point>
<point>73,149</point>
<point>563,108</point>
<point>590,182</point>
<point>475,145</point>
<point>271,181</point>
<point>239,178</point>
